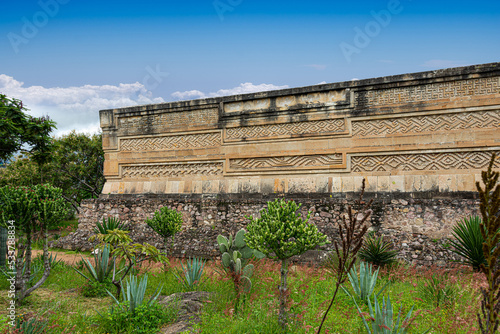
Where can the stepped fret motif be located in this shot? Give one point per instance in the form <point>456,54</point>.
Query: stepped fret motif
<point>170,119</point>
<point>431,123</point>
<point>171,170</point>
<point>434,91</point>
<point>262,131</point>
<point>286,162</point>
<point>171,142</point>
<point>422,162</point>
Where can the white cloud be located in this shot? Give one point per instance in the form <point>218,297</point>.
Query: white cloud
<point>243,88</point>
<point>318,67</point>
<point>75,108</point>
<point>440,63</point>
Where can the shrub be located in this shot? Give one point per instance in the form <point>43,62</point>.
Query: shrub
<point>166,223</point>
<point>280,233</point>
<point>146,319</point>
<point>377,251</point>
<point>96,289</point>
<point>469,241</point>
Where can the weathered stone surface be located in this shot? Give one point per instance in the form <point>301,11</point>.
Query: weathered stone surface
<point>189,305</point>
<point>418,227</point>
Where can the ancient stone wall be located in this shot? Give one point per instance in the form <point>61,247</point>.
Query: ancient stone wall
<point>420,141</point>
<point>418,228</point>
<point>432,131</point>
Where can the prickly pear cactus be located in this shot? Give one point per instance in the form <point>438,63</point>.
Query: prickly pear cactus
<point>235,255</point>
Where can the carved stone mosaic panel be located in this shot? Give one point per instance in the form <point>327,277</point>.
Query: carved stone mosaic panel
<point>202,140</point>
<point>429,123</point>
<point>170,119</point>
<point>171,170</point>
<point>286,129</point>
<point>422,161</point>
<point>299,161</point>
<point>434,91</point>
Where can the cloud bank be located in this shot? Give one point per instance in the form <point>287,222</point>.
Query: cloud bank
<point>243,88</point>
<point>75,108</point>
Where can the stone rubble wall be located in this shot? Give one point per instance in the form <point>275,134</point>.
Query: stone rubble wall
<point>418,228</point>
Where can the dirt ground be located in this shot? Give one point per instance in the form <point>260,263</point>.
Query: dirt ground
<point>68,258</point>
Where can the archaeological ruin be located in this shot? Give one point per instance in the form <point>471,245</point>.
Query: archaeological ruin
<point>420,140</point>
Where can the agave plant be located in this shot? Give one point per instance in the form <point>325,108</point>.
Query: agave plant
<point>469,241</point>
<point>133,294</point>
<point>438,291</point>
<point>36,268</point>
<point>30,326</point>
<point>191,273</point>
<point>381,318</point>
<point>103,266</point>
<point>363,285</point>
<point>108,224</point>
<point>378,252</point>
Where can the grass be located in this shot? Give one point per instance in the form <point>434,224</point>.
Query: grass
<point>310,288</point>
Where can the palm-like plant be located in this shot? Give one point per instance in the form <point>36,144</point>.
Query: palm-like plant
<point>109,224</point>
<point>469,241</point>
<point>377,251</point>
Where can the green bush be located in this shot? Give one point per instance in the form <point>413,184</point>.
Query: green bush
<point>377,251</point>
<point>166,223</point>
<point>145,319</point>
<point>469,241</point>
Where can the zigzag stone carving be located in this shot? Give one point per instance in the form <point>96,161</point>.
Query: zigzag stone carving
<point>466,120</point>
<point>171,170</point>
<point>423,161</point>
<point>262,131</point>
<point>171,142</point>
<point>171,119</point>
<point>434,91</point>
<point>319,160</point>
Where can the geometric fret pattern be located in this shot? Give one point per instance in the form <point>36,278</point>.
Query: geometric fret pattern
<point>169,120</point>
<point>434,91</point>
<point>431,123</point>
<point>423,161</point>
<point>171,142</point>
<point>171,170</point>
<point>319,160</point>
<point>261,131</point>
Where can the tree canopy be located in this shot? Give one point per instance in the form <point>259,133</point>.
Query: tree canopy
<point>18,129</point>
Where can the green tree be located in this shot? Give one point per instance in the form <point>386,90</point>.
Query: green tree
<point>279,234</point>
<point>76,166</point>
<point>17,129</point>
<point>25,212</point>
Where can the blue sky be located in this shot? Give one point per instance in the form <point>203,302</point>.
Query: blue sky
<point>70,58</point>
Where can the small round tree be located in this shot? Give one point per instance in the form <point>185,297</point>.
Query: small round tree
<point>279,234</point>
<point>166,223</point>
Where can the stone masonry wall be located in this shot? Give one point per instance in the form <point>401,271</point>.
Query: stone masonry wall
<point>418,227</point>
